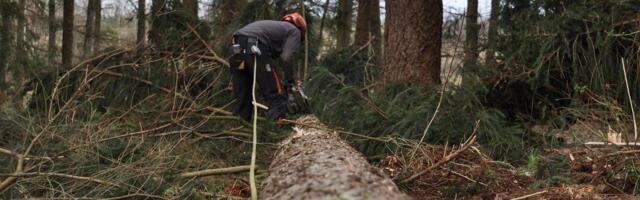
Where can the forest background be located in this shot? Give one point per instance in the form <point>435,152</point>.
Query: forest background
<point>119,98</point>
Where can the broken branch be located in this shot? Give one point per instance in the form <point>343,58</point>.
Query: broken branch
<point>211,172</point>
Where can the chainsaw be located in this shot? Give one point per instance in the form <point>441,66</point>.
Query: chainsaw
<point>297,100</point>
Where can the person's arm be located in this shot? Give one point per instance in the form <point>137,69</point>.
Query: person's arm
<point>287,57</point>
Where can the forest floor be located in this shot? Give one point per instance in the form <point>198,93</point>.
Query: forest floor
<point>580,172</point>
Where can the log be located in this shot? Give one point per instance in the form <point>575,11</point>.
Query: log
<point>314,163</point>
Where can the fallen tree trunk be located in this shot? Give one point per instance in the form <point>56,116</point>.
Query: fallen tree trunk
<point>315,164</point>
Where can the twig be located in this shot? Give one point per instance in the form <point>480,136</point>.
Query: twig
<point>166,90</point>
<point>219,171</point>
<point>463,147</point>
<point>21,157</point>
<point>435,113</point>
<point>609,143</point>
<point>305,71</point>
<point>362,48</point>
<point>83,178</point>
<point>19,166</point>
<point>254,144</point>
<point>466,177</point>
<point>8,152</point>
<point>136,133</point>
<point>622,153</point>
<point>633,113</point>
<point>530,195</point>
<point>215,55</point>
<point>365,99</point>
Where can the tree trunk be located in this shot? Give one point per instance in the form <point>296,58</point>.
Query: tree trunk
<point>471,36</point>
<point>20,33</point>
<point>97,37</point>
<point>88,28</point>
<point>280,8</point>
<point>413,38</point>
<point>376,31</point>
<point>343,23</point>
<point>51,46</point>
<point>190,8</point>
<point>492,34</point>
<point>325,9</point>
<point>363,23</point>
<point>157,6</point>
<point>229,9</point>
<point>314,163</point>
<point>6,37</point>
<point>67,33</point>
<point>141,24</point>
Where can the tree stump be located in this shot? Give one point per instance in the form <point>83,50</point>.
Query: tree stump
<point>314,163</point>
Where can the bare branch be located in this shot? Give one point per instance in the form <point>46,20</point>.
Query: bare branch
<point>219,171</point>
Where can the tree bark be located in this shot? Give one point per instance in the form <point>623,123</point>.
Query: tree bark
<point>21,32</point>
<point>471,36</point>
<point>376,31</point>
<point>141,24</point>
<point>314,163</point>
<point>228,10</point>
<point>67,33</point>
<point>280,7</point>
<point>190,8</point>
<point>97,37</point>
<point>363,23</point>
<point>343,23</point>
<point>413,38</point>
<point>157,7</point>
<point>51,45</point>
<point>88,28</point>
<point>325,9</point>
<point>6,37</point>
<point>492,34</point>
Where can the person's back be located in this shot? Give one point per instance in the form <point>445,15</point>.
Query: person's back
<point>259,43</point>
<point>274,35</point>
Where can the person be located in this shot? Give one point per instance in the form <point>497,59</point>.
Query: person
<point>265,41</point>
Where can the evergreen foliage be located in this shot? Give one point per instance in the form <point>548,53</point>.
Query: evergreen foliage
<point>555,50</point>
<point>341,99</point>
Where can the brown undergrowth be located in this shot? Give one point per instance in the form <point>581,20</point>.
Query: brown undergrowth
<point>569,173</point>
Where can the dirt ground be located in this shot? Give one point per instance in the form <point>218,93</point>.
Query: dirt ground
<point>583,172</point>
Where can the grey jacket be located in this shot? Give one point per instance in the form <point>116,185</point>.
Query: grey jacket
<point>282,38</point>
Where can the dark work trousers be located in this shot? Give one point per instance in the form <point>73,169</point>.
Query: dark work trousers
<point>268,85</point>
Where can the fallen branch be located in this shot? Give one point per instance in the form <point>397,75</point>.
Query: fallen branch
<point>633,112</point>
<point>622,153</point>
<point>470,141</point>
<point>211,172</point>
<point>609,143</point>
<point>362,47</point>
<point>530,195</point>
<point>215,55</point>
<point>82,178</point>
<point>466,177</point>
<point>4,184</point>
<point>8,152</point>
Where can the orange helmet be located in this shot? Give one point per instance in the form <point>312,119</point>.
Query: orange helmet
<point>297,20</point>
